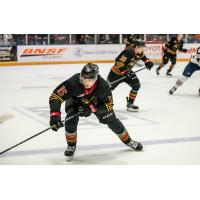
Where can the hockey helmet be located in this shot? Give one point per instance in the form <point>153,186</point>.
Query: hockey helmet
<point>90,71</point>
<point>131,38</point>
<point>198,50</point>
<point>138,43</point>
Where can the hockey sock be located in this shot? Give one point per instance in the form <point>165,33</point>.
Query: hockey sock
<point>170,68</point>
<point>71,138</point>
<point>124,137</point>
<point>160,66</point>
<point>132,96</point>
<point>180,81</point>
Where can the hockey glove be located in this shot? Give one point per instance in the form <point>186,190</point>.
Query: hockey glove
<point>55,121</point>
<point>84,111</point>
<point>184,50</point>
<point>149,65</point>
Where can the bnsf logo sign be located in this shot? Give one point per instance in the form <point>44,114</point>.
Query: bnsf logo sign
<point>43,51</point>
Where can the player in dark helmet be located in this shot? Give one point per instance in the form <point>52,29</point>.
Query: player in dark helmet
<point>90,71</point>
<point>138,43</point>
<point>170,53</point>
<point>129,40</point>
<point>86,93</point>
<point>123,66</point>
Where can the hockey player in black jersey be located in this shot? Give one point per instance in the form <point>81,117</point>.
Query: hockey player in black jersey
<point>124,63</point>
<point>170,53</point>
<point>131,38</point>
<point>86,93</point>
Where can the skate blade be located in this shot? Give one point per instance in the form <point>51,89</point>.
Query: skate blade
<point>169,76</point>
<point>132,110</point>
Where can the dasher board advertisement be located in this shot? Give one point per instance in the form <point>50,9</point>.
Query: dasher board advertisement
<point>68,52</point>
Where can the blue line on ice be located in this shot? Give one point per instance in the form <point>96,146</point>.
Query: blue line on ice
<point>100,146</point>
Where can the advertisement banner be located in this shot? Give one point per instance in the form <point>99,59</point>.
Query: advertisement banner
<point>154,51</point>
<point>191,49</point>
<point>67,52</point>
<point>42,53</point>
<point>76,53</point>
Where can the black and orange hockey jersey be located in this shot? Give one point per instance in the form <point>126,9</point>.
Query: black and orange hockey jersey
<point>99,95</point>
<point>126,60</point>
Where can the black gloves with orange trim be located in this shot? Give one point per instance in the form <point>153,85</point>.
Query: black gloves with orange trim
<point>55,120</point>
<point>149,64</point>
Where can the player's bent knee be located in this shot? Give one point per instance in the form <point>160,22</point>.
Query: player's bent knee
<point>71,125</point>
<point>107,117</point>
<point>72,128</point>
<point>174,62</point>
<point>116,126</point>
<point>136,86</point>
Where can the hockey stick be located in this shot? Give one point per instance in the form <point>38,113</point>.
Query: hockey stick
<point>124,77</point>
<point>67,119</point>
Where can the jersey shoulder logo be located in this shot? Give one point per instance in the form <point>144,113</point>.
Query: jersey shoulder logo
<point>62,91</point>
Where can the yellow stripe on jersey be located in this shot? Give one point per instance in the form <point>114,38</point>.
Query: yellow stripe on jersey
<point>55,97</point>
<point>116,70</point>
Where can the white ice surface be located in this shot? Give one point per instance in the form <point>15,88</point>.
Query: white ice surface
<point>168,126</point>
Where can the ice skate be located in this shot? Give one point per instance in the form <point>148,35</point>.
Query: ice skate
<point>172,91</point>
<point>168,73</point>
<point>69,153</point>
<point>137,146</point>
<point>131,107</point>
<point>199,91</point>
<point>158,71</point>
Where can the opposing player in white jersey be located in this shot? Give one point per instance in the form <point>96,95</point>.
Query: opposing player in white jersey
<point>191,67</point>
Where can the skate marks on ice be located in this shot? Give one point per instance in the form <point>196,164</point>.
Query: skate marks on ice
<point>135,116</point>
<point>192,96</point>
<point>164,76</point>
<point>5,117</point>
<point>103,158</point>
<point>100,147</point>
<point>41,114</point>
<point>36,114</point>
<point>92,154</point>
<point>38,87</point>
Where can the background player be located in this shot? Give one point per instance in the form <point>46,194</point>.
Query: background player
<point>124,63</point>
<point>170,53</point>
<point>130,39</point>
<point>86,92</point>
<point>191,67</point>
